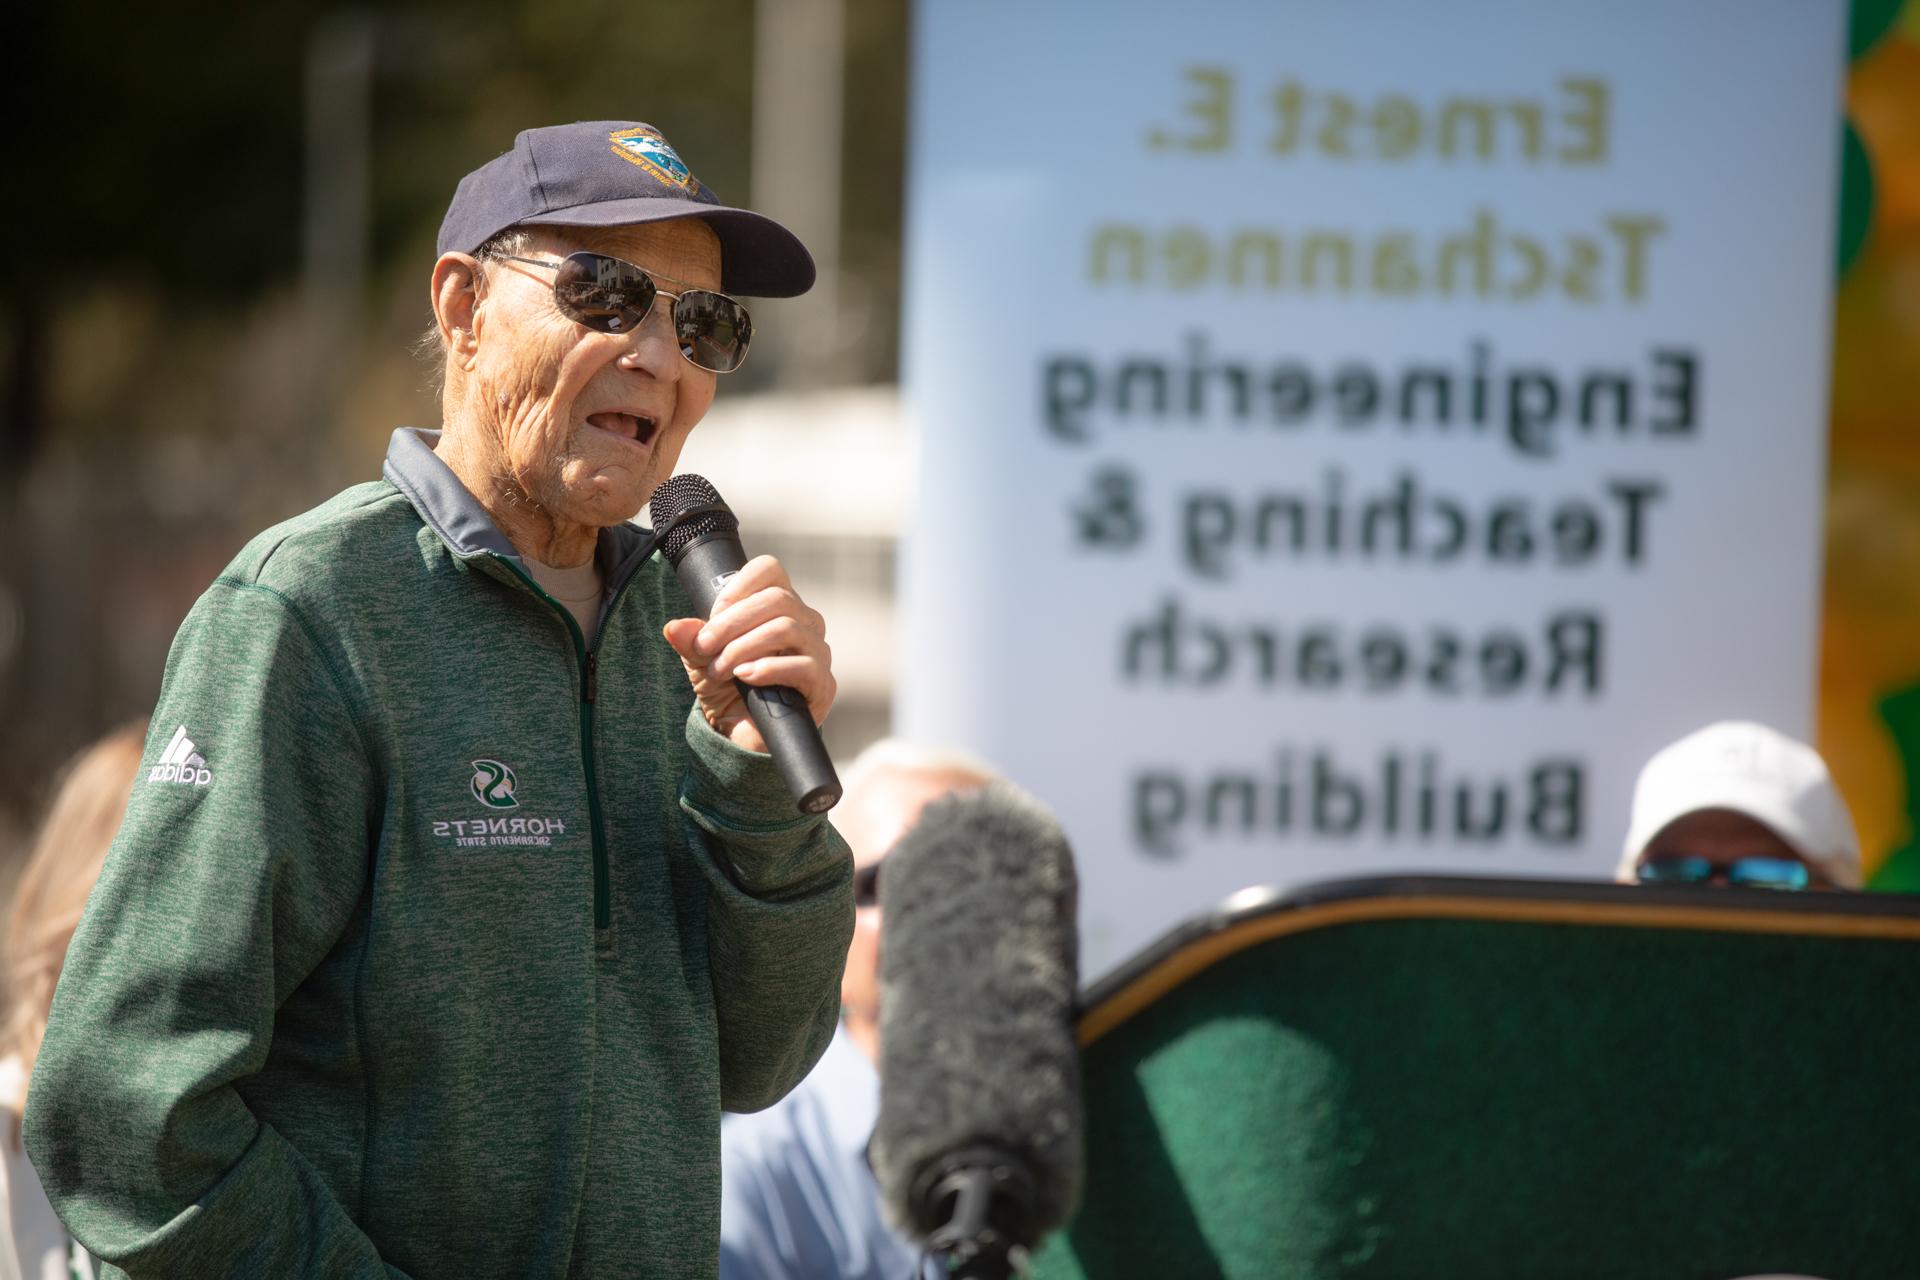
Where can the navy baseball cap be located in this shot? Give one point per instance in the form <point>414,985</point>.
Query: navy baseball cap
<point>613,173</point>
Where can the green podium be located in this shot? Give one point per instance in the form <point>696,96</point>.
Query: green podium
<point>1442,1077</point>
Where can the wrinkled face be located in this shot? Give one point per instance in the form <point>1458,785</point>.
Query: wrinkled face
<point>872,822</point>
<point>588,424</point>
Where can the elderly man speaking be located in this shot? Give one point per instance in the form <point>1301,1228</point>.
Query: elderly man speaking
<point>456,898</point>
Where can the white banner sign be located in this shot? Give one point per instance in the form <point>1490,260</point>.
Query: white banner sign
<point>1354,437</point>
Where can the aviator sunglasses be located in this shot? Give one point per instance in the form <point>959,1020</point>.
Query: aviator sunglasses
<point>611,296</point>
<point>1751,873</point>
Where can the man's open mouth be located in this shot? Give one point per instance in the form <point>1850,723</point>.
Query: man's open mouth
<point>634,426</point>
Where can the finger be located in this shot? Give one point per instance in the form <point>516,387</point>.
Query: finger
<point>713,691</point>
<point>806,676</point>
<point>757,574</point>
<point>776,637</point>
<point>757,610</point>
<point>682,634</point>
<point>719,699</point>
<point>745,735</point>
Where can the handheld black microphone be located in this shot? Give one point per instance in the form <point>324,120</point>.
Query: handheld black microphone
<point>701,540</point>
<point>978,1146</point>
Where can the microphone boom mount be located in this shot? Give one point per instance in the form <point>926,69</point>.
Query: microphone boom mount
<point>976,1208</point>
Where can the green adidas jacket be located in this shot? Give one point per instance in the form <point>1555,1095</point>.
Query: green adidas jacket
<point>434,943</point>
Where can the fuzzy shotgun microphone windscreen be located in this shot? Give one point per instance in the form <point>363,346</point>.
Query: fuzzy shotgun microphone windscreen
<point>978,971</point>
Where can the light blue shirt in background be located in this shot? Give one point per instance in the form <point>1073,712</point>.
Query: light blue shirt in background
<point>797,1197</point>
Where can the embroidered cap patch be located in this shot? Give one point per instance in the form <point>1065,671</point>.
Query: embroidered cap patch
<point>646,147</point>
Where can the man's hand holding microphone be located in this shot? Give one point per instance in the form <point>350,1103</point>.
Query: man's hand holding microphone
<point>759,661</point>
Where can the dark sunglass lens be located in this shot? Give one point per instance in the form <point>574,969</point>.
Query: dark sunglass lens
<point>1769,873</point>
<point>602,293</point>
<point>866,885</point>
<point>1675,870</point>
<point>714,330</point>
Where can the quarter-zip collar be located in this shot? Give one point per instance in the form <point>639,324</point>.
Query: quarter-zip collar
<point>449,508</point>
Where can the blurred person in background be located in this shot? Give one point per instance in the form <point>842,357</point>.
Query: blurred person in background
<point>1738,803</point>
<point>798,1198</point>
<point>59,873</point>
<point>457,897</point>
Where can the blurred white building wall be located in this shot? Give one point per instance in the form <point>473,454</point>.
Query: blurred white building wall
<point>821,479</point>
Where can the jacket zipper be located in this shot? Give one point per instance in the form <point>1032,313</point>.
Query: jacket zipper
<point>589,660</point>
<point>602,876</point>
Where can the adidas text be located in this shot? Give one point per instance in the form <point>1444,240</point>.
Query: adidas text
<point>180,762</point>
<point>199,777</point>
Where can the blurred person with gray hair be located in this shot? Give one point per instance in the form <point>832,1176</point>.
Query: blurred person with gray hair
<point>798,1198</point>
<point>457,897</point>
<point>65,860</point>
<point>1738,803</point>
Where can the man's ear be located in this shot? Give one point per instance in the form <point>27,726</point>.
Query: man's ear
<point>457,283</point>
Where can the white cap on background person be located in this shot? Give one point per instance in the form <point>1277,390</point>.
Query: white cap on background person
<point>1749,769</point>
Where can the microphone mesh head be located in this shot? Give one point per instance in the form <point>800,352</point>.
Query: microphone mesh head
<point>683,493</point>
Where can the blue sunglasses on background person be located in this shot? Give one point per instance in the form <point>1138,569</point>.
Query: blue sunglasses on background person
<point>1746,873</point>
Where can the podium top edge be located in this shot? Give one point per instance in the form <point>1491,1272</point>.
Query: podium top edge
<point>1255,915</point>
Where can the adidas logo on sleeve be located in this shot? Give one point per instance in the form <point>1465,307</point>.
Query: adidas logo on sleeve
<point>181,763</point>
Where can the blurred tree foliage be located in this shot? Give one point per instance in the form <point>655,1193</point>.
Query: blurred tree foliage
<point>165,142</point>
<point>163,146</point>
